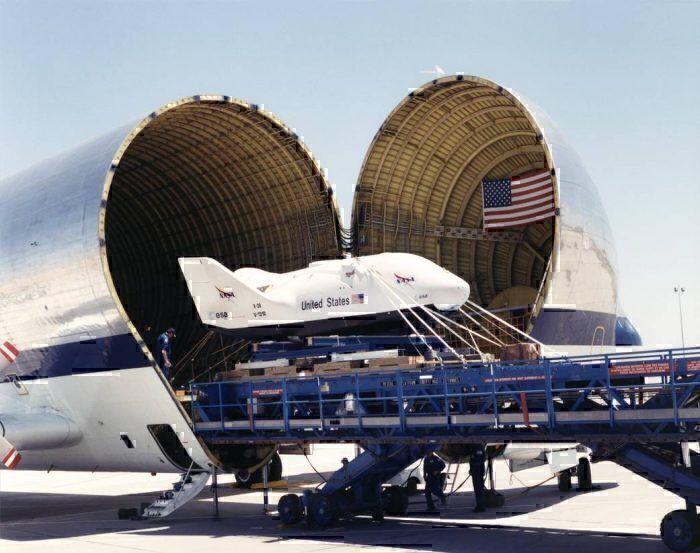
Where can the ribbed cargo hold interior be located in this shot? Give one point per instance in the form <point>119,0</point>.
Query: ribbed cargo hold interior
<point>419,189</point>
<point>220,179</point>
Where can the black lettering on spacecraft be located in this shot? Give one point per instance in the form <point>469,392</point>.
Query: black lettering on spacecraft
<point>308,305</point>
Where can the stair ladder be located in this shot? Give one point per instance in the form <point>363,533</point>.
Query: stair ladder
<point>184,490</point>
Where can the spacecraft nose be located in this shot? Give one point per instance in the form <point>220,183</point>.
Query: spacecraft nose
<point>455,293</point>
<point>462,290</point>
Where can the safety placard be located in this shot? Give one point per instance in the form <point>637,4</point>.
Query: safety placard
<point>661,367</point>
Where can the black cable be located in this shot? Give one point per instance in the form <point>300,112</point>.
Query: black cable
<point>460,486</point>
<point>411,473</point>
<point>314,468</point>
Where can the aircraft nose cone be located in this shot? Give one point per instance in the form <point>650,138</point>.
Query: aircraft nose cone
<point>455,292</point>
<point>464,292</point>
<point>461,289</point>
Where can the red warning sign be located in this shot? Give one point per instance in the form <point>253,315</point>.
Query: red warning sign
<point>693,365</point>
<point>660,367</point>
<point>267,392</point>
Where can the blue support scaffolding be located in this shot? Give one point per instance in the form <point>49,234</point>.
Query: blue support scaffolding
<point>632,397</point>
<point>634,408</point>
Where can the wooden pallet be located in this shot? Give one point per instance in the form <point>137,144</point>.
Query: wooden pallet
<point>327,368</point>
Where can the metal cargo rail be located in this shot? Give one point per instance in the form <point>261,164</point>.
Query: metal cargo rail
<point>640,396</point>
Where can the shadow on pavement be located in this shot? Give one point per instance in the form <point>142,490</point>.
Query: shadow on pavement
<point>27,517</point>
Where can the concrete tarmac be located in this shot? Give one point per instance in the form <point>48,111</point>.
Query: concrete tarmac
<point>77,513</point>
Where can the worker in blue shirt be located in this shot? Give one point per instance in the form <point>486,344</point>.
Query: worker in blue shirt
<point>432,474</point>
<point>164,351</point>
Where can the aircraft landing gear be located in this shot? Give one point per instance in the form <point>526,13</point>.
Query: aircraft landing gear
<point>246,479</point>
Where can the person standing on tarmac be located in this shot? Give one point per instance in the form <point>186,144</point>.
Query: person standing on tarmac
<point>478,472</point>
<point>432,474</point>
<point>164,349</point>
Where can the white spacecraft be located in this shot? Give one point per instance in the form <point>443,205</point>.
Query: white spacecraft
<point>327,296</point>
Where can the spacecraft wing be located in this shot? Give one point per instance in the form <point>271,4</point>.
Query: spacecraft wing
<point>222,298</point>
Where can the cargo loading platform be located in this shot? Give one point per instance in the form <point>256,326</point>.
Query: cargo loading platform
<point>640,409</point>
<point>639,396</point>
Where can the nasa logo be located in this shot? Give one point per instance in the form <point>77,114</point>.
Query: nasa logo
<point>403,280</point>
<point>225,295</point>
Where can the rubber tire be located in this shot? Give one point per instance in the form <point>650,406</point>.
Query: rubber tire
<point>564,481</point>
<point>274,473</point>
<point>395,500</point>
<point>680,531</point>
<point>290,509</point>
<point>319,511</point>
<point>254,477</point>
<point>583,473</point>
<point>275,469</point>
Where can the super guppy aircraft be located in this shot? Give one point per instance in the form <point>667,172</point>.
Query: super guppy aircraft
<point>90,242</point>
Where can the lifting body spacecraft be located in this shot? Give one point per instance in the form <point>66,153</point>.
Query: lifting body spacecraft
<point>327,296</point>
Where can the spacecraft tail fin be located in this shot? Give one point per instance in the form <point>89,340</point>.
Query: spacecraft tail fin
<point>216,290</point>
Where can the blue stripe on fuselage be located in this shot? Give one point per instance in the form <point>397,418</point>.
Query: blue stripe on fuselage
<point>90,356</point>
<point>574,327</point>
<point>568,327</point>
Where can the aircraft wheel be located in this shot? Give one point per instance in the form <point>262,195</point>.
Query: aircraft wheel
<point>583,472</point>
<point>680,531</point>
<point>319,511</point>
<point>290,508</point>
<point>246,479</point>
<point>275,468</point>
<point>395,500</point>
<point>564,481</point>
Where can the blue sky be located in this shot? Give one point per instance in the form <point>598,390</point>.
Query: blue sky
<point>621,79</point>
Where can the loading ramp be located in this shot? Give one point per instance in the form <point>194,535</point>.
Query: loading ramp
<point>636,408</point>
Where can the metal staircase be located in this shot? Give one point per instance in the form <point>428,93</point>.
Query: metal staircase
<point>184,490</point>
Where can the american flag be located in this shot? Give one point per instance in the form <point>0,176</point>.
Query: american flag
<point>518,200</point>
<point>359,298</point>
